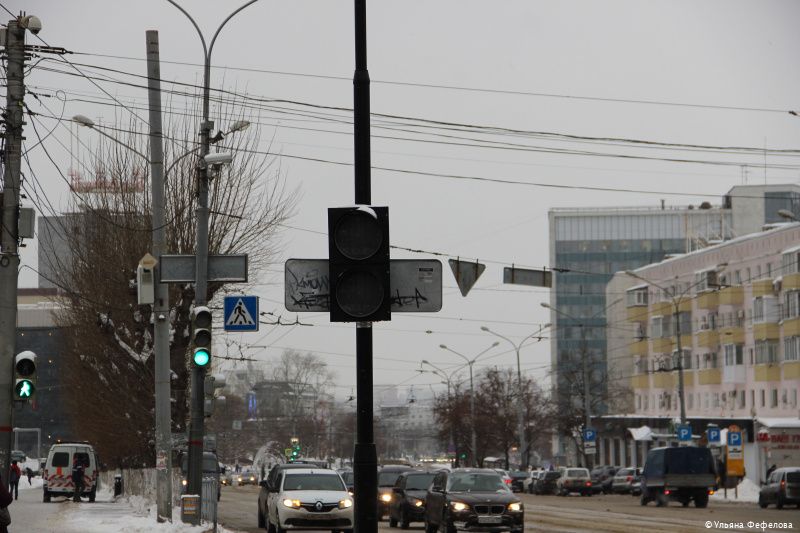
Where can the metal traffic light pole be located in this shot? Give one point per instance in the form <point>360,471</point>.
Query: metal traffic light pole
<point>365,460</point>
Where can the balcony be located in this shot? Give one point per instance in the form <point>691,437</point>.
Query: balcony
<point>637,313</point>
<point>734,374</point>
<point>762,287</point>
<point>688,378</point>
<point>641,381</point>
<point>664,380</point>
<point>791,327</point>
<point>791,282</point>
<point>791,369</point>
<point>685,306</point>
<point>638,347</point>
<point>766,331</point>
<point>731,296</point>
<point>731,335</point>
<point>709,376</point>
<point>661,309</point>
<point>707,300</point>
<point>662,345</point>
<point>767,372</point>
<point>707,338</point>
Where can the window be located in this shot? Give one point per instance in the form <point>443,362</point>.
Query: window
<point>741,399</point>
<point>773,398</point>
<point>61,459</point>
<point>737,277</point>
<point>763,398</point>
<point>791,304</point>
<point>734,354</point>
<point>789,263</point>
<point>793,397</point>
<point>749,276</point>
<point>710,360</point>
<point>769,270</point>
<point>716,399</point>
<point>752,398</point>
<point>638,402</point>
<point>766,352</point>
<point>655,327</point>
<point>705,280</point>
<point>637,296</point>
<point>758,309</point>
<point>690,401</point>
<point>758,271</point>
<point>791,349</point>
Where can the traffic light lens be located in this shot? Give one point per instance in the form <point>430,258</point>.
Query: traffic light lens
<point>202,337</point>
<point>359,293</point>
<point>26,367</point>
<point>24,388</point>
<point>358,235</point>
<point>201,357</point>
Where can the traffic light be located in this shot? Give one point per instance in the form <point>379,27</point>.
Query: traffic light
<point>201,336</point>
<point>210,385</point>
<point>294,454</point>
<point>358,259</point>
<point>25,375</point>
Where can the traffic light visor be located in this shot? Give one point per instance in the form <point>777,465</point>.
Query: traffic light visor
<point>201,357</point>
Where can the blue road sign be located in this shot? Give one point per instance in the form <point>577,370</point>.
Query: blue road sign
<point>684,433</point>
<point>589,435</point>
<point>713,435</point>
<point>734,438</point>
<point>241,313</point>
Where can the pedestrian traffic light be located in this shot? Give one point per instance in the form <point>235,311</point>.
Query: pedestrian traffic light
<point>25,375</point>
<point>201,336</point>
<point>358,262</point>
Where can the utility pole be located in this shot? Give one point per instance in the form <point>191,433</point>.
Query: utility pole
<point>365,458</point>
<point>161,321</point>
<point>587,404</point>
<point>9,243</point>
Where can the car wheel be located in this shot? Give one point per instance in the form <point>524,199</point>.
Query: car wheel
<point>93,495</point>
<point>685,502</point>
<point>261,522</point>
<point>589,494</point>
<point>779,503</point>
<point>429,528</point>
<point>701,502</point>
<point>46,497</point>
<point>404,521</point>
<point>661,499</point>
<point>392,521</point>
<point>762,503</point>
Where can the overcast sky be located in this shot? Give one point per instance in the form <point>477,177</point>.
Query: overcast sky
<point>711,73</point>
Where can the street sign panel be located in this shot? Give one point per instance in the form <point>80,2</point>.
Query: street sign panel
<point>589,435</point>
<point>684,433</point>
<point>734,438</point>
<point>526,276</point>
<point>713,435</point>
<point>241,313</point>
<point>222,268</point>
<point>466,273</point>
<point>735,452</point>
<point>589,448</point>
<point>416,285</point>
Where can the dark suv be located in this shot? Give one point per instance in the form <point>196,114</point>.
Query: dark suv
<point>546,483</point>
<point>387,477</point>
<point>684,474</point>
<point>408,501</point>
<point>472,499</point>
<point>603,478</point>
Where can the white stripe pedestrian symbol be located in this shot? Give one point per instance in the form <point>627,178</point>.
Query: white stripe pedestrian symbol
<point>240,316</point>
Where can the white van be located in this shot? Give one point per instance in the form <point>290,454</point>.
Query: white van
<point>57,476</point>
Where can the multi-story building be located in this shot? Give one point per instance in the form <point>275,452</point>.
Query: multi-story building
<point>726,317</point>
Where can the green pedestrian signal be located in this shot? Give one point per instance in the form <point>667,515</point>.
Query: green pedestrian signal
<point>24,389</point>
<point>201,357</point>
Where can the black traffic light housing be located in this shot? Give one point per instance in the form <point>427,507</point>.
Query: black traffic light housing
<point>201,336</point>
<point>358,260</point>
<point>24,376</point>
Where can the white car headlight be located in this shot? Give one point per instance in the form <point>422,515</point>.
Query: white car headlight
<point>459,506</point>
<point>515,506</point>
<point>292,504</point>
<point>386,497</point>
<point>417,502</point>
<point>184,482</point>
<point>346,503</point>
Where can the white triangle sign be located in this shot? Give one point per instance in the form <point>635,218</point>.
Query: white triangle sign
<point>466,273</point>
<point>240,316</point>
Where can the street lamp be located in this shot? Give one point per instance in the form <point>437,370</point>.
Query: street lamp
<point>523,447</point>
<point>447,380</point>
<point>471,362</point>
<point>677,299</point>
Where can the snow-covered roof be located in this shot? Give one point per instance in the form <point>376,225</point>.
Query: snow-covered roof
<point>642,433</point>
<point>792,249</point>
<point>636,287</point>
<point>783,423</point>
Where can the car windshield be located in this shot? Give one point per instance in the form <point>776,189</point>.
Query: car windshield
<point>388,479</point>
<point>518,473</point>
<point>689,460</point>
<point>577,472</point>
<point>552,475</point>
<point>625,472</point>
<point>210,464</point>
<point>419,481</point>
<point>312,482</point>
<point>348,477</point>
<point>479,482</point>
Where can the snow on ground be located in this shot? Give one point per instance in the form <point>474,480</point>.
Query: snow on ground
<point>36,483</point>
<point>132,514</point>
<point>748,492</point>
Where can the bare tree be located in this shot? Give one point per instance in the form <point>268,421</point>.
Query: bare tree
<point>108,352</point>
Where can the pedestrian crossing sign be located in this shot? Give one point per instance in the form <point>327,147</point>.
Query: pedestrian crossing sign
<point>241,313</point>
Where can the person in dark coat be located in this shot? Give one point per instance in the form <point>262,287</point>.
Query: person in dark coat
<point>5,501</point>
<point>78,470</point>
<point>29,473</point>
<point>13,483</point>
<point>771,470</point>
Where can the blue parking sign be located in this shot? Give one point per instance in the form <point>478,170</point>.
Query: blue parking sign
<point>589,435</point>
<point>684,433</point>
<point>713,435</point>
<point>734,438</point>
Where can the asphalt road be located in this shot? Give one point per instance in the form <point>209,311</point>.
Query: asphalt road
<point>575,514</point>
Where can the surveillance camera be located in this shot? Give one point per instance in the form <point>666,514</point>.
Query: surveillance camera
<point>33,24</point>
<point>218,158</point>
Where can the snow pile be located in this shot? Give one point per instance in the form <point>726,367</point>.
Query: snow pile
<point>748,492</point>
<point>132,514</point>
<point>36,483</point>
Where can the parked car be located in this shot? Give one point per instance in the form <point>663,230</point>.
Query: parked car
<point>684,474</point>
<point>602,478</point>
<point>624,480</point>
<point>528,482</point>
<point>57,478</point>
<point>472,499</point>
<point>547,482</point>
<point>387,477</point>
<point>349,479</point>
<point>782,488</point>
<point>518,478</point>
<point>308,498</point>
<point>504,475</point>
<point>574,480</point>
<point>408,502</point>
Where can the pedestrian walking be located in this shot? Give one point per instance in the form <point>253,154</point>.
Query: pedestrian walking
<point>13,482</point>
<point>29,473</point>
<point>5,501</point>
<point>78,470</point>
